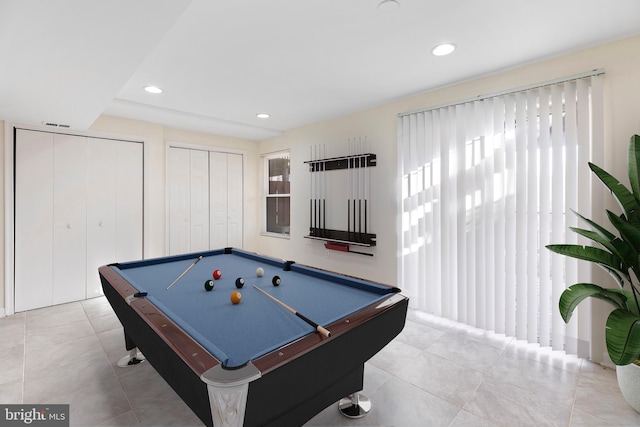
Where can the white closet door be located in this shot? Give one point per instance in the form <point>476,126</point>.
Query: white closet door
<point>234,200</point>
<point>79,205</point>
<point>226,199</point>
<point>129,201</point>
<point>199,200</point>
<point>179,201</point>
<point>218,199</point>
<point>114,206</point>
<point>188,200</point>
<point>33,220</point>
<point>101,210</point>
<point>69,218</point>
<point>205,200</point>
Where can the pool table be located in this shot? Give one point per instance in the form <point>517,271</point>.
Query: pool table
<point>254,363</point>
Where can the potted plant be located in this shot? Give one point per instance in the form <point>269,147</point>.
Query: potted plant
<point>618,253</point>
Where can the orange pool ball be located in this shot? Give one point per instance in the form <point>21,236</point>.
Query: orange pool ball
<point>236,297</point>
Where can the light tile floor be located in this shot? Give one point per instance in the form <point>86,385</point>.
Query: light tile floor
<point>435,373</point>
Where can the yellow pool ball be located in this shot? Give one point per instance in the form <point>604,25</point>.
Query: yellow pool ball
<point>236,297</point>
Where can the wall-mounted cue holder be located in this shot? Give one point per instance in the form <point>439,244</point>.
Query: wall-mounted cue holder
<point>356,209</point>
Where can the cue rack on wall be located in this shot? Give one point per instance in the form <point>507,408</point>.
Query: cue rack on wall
<point>351,174</point>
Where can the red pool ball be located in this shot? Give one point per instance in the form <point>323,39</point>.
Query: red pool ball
<point>217,274</point>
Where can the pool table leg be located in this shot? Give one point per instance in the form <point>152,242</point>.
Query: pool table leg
<point>228,391</point>
<point>134,357</point>
<point>355,406</point>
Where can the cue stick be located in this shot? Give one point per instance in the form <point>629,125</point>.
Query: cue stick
<point>359,195</point>
<point>366,183</point>
<point>324,332</point>
<point>349,189</point>
<point>360,185</point>
<point>355,188</point>
<point>352,181</point>
<point>323,190</point>
<point>184,272</point>
<point>319,188</point>
<point>313,186</point>
<point>311,189</point>
<point>316,188</point>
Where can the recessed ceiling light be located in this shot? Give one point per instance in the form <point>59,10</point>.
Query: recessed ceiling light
<point>262,115</point>
<point>387,6</point>
<point>443,49</point>
<point>153,89</point>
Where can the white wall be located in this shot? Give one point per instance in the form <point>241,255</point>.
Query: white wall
<point>622,111</point>
<point>622,119</point>
<point>380,131</point>
<point>2,220</point>
<point>155,137</point>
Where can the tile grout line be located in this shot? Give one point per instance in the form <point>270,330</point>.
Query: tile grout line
<point>24,358</point>
<point>575,393</point>
<point>126,396</point>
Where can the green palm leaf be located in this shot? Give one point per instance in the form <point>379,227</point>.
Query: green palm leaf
<point>629,232</point>
<point>575,294</point>
<point>625,198</point>
<point>596,237</point>
<point>623,337</point>
<point>606,234</point>
<point>616,275</point>
<point>588,253</point>
<point>616,246</point>
<point>628,295</point>
<point>633,161</point>
<point>619,255</point>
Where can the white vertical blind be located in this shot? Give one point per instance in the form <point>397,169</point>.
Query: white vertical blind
<point>486,184</point>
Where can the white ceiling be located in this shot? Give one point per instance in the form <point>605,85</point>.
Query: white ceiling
<point>222,61</point>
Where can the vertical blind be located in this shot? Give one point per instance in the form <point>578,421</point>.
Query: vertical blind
<point>485,185</point>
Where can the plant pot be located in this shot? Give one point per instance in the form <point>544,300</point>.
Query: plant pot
<point>629,383</point>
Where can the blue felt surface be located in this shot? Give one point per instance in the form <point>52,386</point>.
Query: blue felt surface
<point>236,334</point>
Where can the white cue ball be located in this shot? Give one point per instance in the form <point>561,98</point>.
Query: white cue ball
<point>259,271</point>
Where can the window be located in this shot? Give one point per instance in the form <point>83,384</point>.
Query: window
<point>277,188</point>
<point>485,186</point>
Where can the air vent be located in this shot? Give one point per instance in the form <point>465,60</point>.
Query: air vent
<point>56,125</point>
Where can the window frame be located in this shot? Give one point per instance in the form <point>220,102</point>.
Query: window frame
<point>283,154</point>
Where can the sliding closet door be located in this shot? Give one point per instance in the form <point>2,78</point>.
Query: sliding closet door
<point>114,206</point>
<point>50,219</point>
<point>33,220</point>
<point>179,201</point>
<point>205,192</point>
<point>199,200</point>
<point>235,201</point>
<point>78,205</point>
<point>188,200</point>
<point>226,199</point>
<point>218,202</point>
<point>101,210</point>
<point>129,201</point>
<point>69,218</point>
